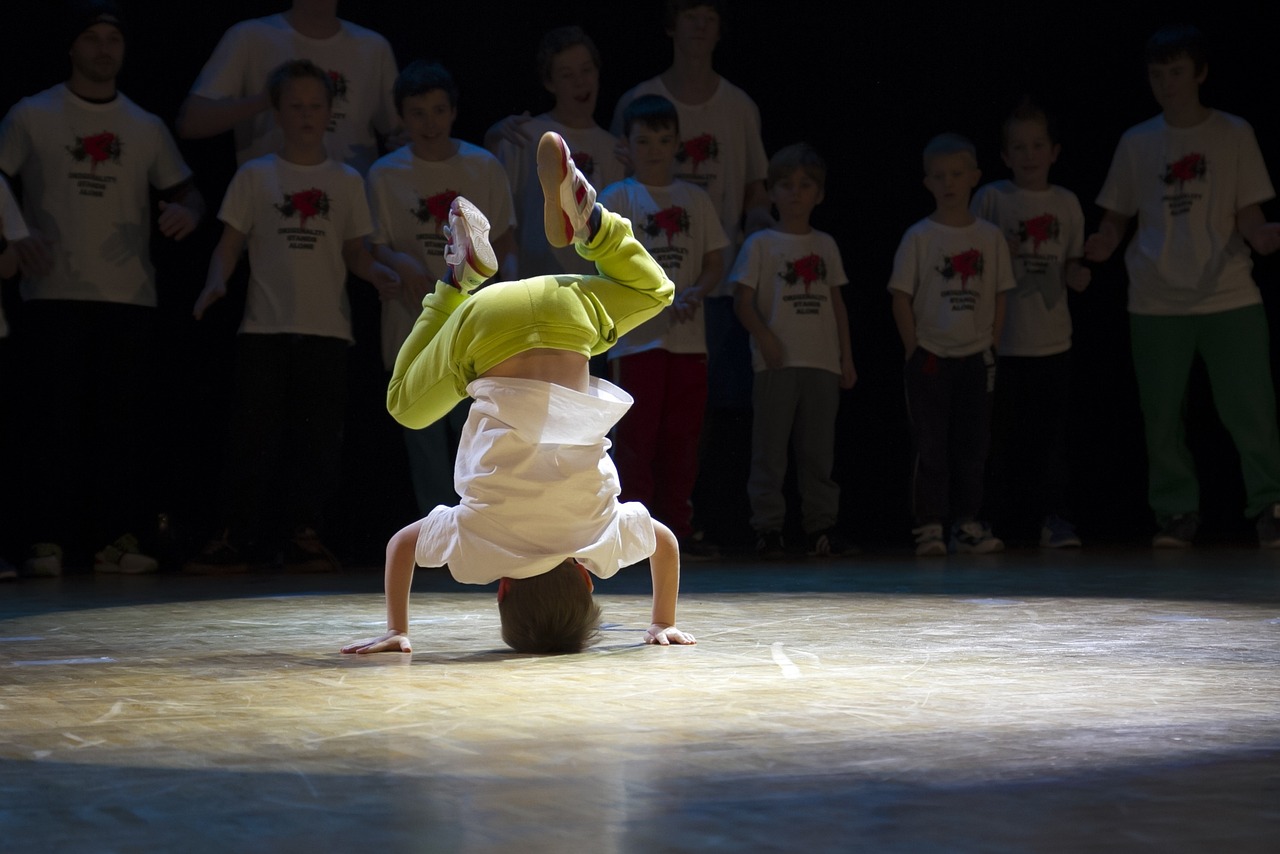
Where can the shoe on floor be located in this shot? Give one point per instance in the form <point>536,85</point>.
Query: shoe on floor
<point>1058,533</point>
<point>693,549</point>
<point>770,546</point>
<point>467,251</point>
<point>218,557</point>
<point>974,538</point>
<point>305,553</point>
<point>1177,532</point>
<point>929,542</point>
<point>44,561</point>
<point>124,556</point>
<point>568,199</point>
<point>828,543</point>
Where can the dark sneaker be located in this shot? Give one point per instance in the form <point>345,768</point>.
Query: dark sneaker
<point>693,549</point>
<point>828,543</point>
<point>974,538</point>
<point>1178,532</point>
<point>1269,527</point>
<point>305,553</point>
<point>124,556</point>
<point>929,542</point>
<point>1058,533</point>
<point>769,545</point>
<point>218,557</point>
<point>568,199</point>
<point>467,250</point>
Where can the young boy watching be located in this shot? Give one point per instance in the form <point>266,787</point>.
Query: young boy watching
<point>950,275</point>
<point>410,191</point>
<point>540,510</point>
<point>663,362</point>
<point>568,64</point>
<point>1195,180</point>
<point>1044,226</point>
<point>304,218</point>
<point>787,282</point>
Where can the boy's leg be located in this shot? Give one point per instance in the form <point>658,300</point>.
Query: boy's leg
<point>316,412</point>
<point>970,431</point>
<point>814,440</point>
<point>928,408</point>
<point>1235,346</point>
<point>1163,348</point>
<point>643,375</point>
<point>774,402</point>
<point>681,431</point>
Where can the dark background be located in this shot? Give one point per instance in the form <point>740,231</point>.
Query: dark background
<point>866,84</point>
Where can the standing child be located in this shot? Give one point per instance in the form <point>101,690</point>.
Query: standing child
<point>410,191</point>
<point>304,218</point>
<point>1195,179</point>
<point>787,282</point>
<point>12,229</point>
<point>540,509</point>
<point>663,362</point>
<point>949,279</point>
<point>1045,229</point>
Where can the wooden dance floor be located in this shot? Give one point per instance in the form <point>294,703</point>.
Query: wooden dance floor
<point>1108,700</point>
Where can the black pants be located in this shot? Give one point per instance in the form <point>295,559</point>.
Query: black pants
<point>84,421</point>
<point>284,450</point>
<point>949,402</point>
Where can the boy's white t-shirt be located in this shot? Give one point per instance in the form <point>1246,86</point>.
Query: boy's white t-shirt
<point>297,219</point>
<point>593,153</point>
<point>1048,227</point>
<point>721,148</point>
<point>1186,186</point>
<point>678,226</point>
<point>87,171</point>
<point>14,229</point>
<point>358,60</point>
<point>409,199</point>
<point>792,277</point>
<point>537,486</point>
<point>953,275</point>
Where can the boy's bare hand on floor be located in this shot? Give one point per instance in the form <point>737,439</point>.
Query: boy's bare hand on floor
<point>667,635</point>
<point>389,642</point>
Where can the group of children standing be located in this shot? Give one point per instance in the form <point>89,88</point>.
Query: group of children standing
<point>978,288</point>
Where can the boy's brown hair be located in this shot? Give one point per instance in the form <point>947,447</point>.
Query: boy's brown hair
<point>945,144</point>
<point>1027,111</point>
<point>559,40</point>
<point>549,613</point>
<point>296,69</point>
<point>798,156</point>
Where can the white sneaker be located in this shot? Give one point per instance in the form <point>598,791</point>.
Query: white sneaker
<point>467,251</point>
<point>974,538</point>
<point>45,561</point>
<point>929,542</point>
<point>123,556</point>
<point>568,199</point>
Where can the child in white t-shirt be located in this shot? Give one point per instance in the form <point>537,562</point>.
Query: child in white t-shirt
<point>949,279</point>
<point>1045,229</point>
<point>304,218</point>
<point>12,229</point>
<point>787,283</point>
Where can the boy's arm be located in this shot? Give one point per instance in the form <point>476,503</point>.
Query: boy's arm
<point>848,373</point>
<point>181,209</point>
<point>1100,245</point>
<point>360,262</point>
<point>904,317</point>
<point>997,326</point>
<point>1263,236</point>
<point>221,265</point>
<point>687,301</point>
<point>744,306</point>
<point>398,580</point>
<point>664,565</point>
<point>414,281</point>
<point>509,129</point>
<point>201,117</point>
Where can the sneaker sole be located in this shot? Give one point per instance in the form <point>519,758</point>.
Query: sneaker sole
<point>934,548</point>
<point>480,255</point>
<point>555,173</point>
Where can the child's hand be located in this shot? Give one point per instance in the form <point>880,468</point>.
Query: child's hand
<point>35,255</point>
<point>386,280</point>
<point>511,129</point>
<point>685,305</point>
<point>1078,276</point>
<point>1265,239</point>
<point>665,636</point>
<point>391,641</point>
<point>1100,245</point>
<point>212,292</point>
<point>848,373</point>
<point>176,221</point>
<point>771,350</point>
<point>622,151</point>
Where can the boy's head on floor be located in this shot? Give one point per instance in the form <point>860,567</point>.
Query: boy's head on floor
<point>651,125</point>
<point>549,613</point>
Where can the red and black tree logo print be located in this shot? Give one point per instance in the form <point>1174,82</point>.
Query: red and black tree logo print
<point>1039,229</point>
<point>807,270</point>
<point>98,148</point>
<point>435,207</point>
<point>340,84</point>
<point>1188,168</point>
<point>967,265</point>
<point>669,221</point>
<point>698,150</point>
<point>585,162</point>
<point>305,204</point>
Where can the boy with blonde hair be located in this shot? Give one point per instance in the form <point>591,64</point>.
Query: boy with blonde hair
<point>787,282</point>
<point>950,275</point>
<point>540,511</point>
